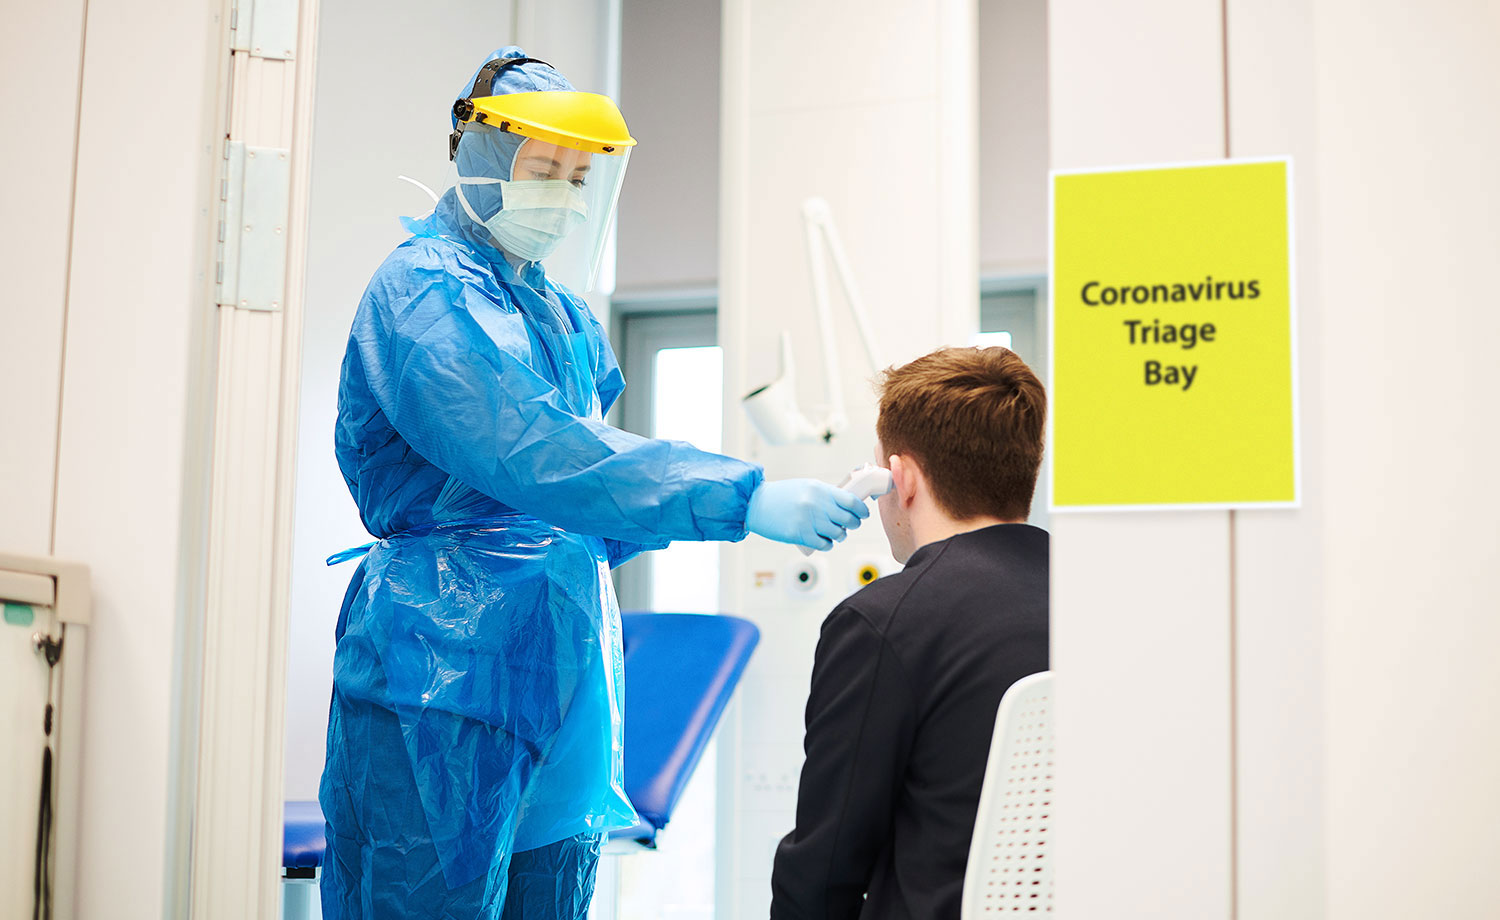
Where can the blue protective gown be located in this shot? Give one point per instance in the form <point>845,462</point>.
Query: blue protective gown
<point>484,621</point>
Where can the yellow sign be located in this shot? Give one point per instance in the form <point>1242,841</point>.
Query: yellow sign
<point>1173,368</point>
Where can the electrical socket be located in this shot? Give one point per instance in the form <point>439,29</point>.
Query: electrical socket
<point>865,569</point>
<point>805,578</point>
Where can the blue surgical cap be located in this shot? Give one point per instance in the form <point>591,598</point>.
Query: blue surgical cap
<point>489,152</point>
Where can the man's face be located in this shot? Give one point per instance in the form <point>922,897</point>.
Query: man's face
<point>541,160</point>
<point>893,518</point>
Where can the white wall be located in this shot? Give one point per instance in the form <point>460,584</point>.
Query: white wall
<point>823,127</point>
<point>355,202</point>
<point>1013,137</point>
<point>139,302</point>
<point>1408,194</point>
<point>44,44</point>
<point>669,92</point>
<point>42,47</point>
<point>110,299</point>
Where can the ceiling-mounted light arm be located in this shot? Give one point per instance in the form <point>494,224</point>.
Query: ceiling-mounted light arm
<point>814,219</point>
<point>773,408</point>
<point>815,211</point>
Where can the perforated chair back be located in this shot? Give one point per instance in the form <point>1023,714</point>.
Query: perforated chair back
<point>1010,858</point>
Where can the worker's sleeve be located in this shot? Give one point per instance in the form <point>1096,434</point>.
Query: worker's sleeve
<point>454,372</point>
<point>609,382</point>
<point>860,726</point>
<point>621,551</point>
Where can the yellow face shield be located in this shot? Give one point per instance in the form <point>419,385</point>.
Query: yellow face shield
<point>581,121</point>
<point>564,183</point>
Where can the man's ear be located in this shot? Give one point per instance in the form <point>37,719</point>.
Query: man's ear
<point>906,479</point>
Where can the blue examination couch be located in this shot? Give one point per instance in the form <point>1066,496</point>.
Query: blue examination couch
<point>680,671</point>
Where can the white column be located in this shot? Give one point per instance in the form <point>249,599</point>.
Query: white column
<point>871,106</point>
<point>1278,555</point>
<point>1408,194</point>
<point>236,843</point>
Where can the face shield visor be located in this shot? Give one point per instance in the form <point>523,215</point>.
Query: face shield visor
<point>556,204</point>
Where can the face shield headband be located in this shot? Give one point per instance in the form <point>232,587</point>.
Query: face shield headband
<point>463,108</point>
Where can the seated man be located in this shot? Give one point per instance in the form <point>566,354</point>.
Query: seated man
<point>910,670</point>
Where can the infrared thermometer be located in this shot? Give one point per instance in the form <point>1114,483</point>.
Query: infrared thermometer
<point>867,482</point>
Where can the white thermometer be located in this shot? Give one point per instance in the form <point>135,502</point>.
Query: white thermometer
<point>867,482</point>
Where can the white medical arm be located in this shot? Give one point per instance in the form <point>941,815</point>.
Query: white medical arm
<point>814,216</point>
<point>816,211</point>
<point>773,408</point>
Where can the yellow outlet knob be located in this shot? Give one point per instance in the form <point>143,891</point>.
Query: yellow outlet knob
<point>867,574</point>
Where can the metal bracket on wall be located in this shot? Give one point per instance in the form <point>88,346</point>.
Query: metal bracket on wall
<point>254,194</point>
<point>264,28</point>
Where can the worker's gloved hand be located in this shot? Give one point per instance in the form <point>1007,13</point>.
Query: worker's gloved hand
<point>806,512</point>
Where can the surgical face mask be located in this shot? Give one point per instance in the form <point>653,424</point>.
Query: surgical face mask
<point>535,216</point>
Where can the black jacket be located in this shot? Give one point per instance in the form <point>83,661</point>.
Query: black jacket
<point>906,681</point>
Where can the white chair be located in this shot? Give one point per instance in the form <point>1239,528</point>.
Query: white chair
<point>1010,858</point>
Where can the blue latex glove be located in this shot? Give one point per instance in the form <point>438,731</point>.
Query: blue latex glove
<point>806,512</point>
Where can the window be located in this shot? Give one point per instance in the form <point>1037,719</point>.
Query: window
<point>674,375</point>
<point>687,405</point>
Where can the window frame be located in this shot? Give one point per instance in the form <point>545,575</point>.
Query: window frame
<point>639,329</point>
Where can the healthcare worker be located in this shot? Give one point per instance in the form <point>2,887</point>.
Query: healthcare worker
<point>474,738</point>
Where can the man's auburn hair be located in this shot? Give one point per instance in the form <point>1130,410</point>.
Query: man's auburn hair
<point>973,419</point>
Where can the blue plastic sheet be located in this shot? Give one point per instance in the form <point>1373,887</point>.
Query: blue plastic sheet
<point>387,870</point>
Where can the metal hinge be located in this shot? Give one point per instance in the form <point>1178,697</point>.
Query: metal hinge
<point>264,28</point>
<point>254,194</point>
